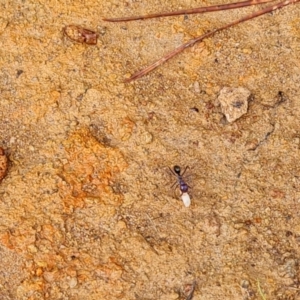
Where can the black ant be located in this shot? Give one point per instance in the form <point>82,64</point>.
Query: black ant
<point>183,186</point>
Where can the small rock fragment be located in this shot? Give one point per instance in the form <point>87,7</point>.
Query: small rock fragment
<point>73,282</point>
<point>146,138</point>
<point>50,276</point>
<point>196,87</point>
<point>80,34</point>
<point>3,164</point>
<point>234,102</point>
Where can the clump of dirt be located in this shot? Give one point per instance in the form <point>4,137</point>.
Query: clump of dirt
<point>3,164</point>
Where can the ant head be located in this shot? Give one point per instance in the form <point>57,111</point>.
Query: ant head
<point>177,170</point>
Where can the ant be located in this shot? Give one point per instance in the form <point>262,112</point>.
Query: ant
<point>183,186</point>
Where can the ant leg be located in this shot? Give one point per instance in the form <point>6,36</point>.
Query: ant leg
<point>174,190</point>
<point>174,184</point>
<point>187,167</point>
<point>172,172</point>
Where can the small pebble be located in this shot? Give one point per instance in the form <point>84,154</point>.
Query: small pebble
<point>146,138</point>
<point>12,140</point>
<point>73,282</point>
<point>197,87</point>
<point>234,102</point>
<point>80,34</point>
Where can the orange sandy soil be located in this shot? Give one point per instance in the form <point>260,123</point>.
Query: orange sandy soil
<point>87,208</point>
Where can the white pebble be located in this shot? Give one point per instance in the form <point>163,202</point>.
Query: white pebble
<point>72,282</point>
<point>197,87</point>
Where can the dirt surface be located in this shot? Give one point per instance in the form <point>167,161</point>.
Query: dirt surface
<point>87,208</point>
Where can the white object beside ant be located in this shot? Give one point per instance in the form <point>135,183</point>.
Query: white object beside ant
<point>185,197</point>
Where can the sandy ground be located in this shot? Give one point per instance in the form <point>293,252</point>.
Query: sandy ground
<point>87,207</point>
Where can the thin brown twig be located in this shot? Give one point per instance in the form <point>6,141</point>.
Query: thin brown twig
<point>191,42</point>
<point>190,11</point>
